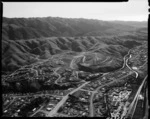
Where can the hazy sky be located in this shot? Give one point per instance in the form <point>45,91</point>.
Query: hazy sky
<point>134,10</point>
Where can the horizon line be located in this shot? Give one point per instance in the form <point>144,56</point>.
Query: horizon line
<point>79,18</point>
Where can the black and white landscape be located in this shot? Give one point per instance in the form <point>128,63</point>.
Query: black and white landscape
<point>74,67</point>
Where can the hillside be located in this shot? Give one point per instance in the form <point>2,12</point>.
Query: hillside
<point>27,40</point>
<point>28,28</point>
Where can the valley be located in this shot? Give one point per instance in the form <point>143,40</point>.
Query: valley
<point>81,74</point>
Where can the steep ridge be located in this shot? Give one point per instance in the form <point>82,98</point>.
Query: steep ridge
<point>21,52</point>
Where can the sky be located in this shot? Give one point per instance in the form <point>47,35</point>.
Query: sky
<point>133,10</point>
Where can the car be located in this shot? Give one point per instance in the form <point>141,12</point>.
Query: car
<point>34,109</point>
<point>5,111</point>
<point>51,104</point>
<point>49,108</point>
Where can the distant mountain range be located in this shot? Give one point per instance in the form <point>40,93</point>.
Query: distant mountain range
<point>27,28</point>
<point>25,40</point>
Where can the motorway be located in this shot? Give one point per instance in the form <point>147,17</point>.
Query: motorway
<point>132,107</point>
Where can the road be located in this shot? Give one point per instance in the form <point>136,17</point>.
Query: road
<point>146,105</point>
<point>55,72</point>
<point>64,100</point>
<point>10,103</point>
<point>75,57</point>
<point>91,105</point>
<point>130,67</point>
<point>143,64</point>
<point>124,59</point>
<point>37,111</point>
<point>35,95</point>
<point>32,65</point>
<point>126,62</point>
